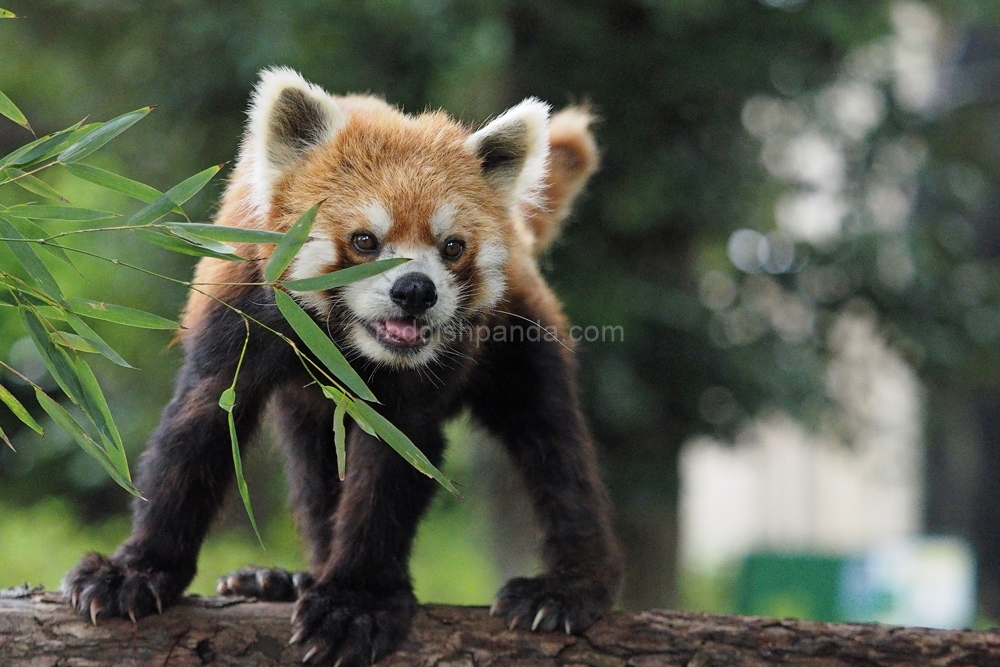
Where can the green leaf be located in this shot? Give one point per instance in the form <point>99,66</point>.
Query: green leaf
<point>72,341</point>
<point>46,146</point>
<point>188,244</point>
<point>19,410</point>
<point>26,294</point>
<point>290,245</point>
<point>56,212</point>
<point>5,14</point>
<point>340,438</point>
<point>226,234</point>
<point>96,408</point>
<point>29,259</point>
<point>56,360</point>
<point>104,133</point>
<point>109,312</point>
<point>344,276</point>
<point>116,183</point>
<point>32,230</point>
<point>65,421</point>
<point>203,241</point>
<point>10,110</point>
<point>321,345</point>
<point>32,184</point>
<point>91,336</point>
<point>174,197</point>
<point>3,436</point>
<point>241,482</point>
<point>404,446</point>
<point>228,399</point>
<point>337,397</point>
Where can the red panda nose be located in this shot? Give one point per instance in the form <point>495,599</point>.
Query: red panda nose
<point>414,293</point>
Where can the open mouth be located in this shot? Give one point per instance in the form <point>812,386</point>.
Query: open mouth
<point>400,334</point>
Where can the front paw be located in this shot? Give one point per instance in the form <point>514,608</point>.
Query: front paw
<point>349,627</point>
<point>101,586</point>
<point>550,602</point>
<point>265,583</point>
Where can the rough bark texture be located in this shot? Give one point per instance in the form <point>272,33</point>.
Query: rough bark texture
<point>38,630</point>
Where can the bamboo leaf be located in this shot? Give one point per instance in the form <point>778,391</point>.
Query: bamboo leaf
<point>340,438</point>
<point>228,399</point>
<point>33,185</point>
<point>189,245</point>
<point>3,436</point>
<point>96,408</point>
<point>174,197</point>
<point>32,230</point>
<point>321,345</point>
<point>56,360</point>
<point>92,337</point>
<point>109,312</point>
<point>6,14</point>
<point>57,212</point>
<point>337,397</point>
<point>289,245</point>
<point>115,182</point>
<point>226,234</point>
<point>29,259</point>
<point>46,146</point>
<point>344,276</point>
<point>19,410</point>
<point>203,241</point>
<point>104,133</point>
<point>10,110</point>
<point>26,294</point>
<point>241,482</point>
<point>65,421</point>
<point>72,341</point>
<point>404,446</point>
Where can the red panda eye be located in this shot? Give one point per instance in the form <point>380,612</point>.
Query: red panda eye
<point>453,248</point>
<point>365,242</point>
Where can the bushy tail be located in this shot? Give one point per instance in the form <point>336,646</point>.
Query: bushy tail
<point>573,157</point>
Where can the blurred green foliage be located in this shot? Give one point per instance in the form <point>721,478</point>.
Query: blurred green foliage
<point>670,80</point>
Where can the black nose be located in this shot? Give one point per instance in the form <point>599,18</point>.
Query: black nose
<point>414,293</point>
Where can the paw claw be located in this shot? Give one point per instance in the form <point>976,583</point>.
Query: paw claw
<point>74,601</point>
<point>296,637</point>
<point>156,597</point>
<point>514,622</point>
<point>569,628</point>
<point>131,615</point>
<point>495,607</point>
<point>539,617</point>
<point>311,653</point>
<point>95,609</point>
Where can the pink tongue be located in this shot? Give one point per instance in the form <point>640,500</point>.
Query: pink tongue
<point>402,330</point>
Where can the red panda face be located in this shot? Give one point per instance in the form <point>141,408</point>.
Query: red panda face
<point>391,185</point>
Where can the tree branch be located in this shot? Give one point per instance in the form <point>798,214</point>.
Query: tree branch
<point>38,629</point>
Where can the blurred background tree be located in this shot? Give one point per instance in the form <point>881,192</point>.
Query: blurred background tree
<point>725,258</point>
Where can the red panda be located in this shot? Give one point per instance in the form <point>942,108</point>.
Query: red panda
<point>471,210</point>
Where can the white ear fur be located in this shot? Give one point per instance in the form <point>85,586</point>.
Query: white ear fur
<point>513,149</point>
<point>287,116</point>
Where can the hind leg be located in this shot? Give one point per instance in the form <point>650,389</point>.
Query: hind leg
<point>303,423</point>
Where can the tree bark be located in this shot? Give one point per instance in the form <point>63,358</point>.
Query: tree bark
<point>37,629</point>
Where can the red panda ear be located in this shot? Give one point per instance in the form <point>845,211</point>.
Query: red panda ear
<point>513,149</point>
<point>288,116</point>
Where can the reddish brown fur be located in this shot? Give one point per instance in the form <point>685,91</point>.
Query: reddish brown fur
<point>573,158</point>
<point>431,162</point>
